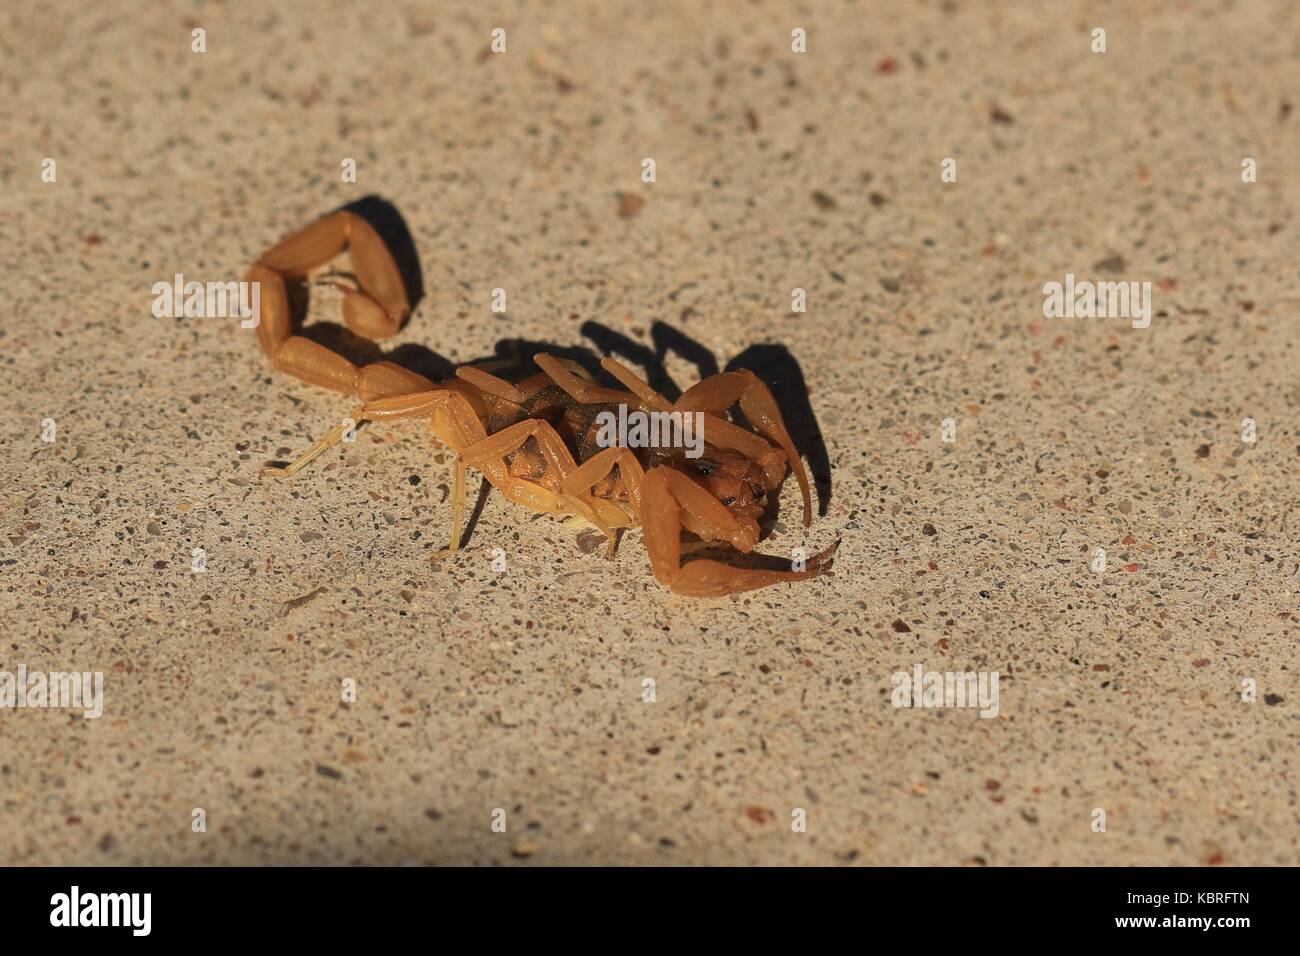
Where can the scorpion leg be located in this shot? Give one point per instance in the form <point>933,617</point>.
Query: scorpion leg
<point>598,466</point>
<point>491,384</point>
<point>495,385</point>
<point>671,501</point>
<point>634,382</point>
<point>319,447</point>
<point>717,393</point>
<point>418,405</point>
<point>488,456</point>
<point>595,469</point>
<point>455,422</point>
<point>555,453</point>
<point>586,392</point>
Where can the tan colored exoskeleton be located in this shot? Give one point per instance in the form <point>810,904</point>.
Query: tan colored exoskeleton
<point>488,422</point>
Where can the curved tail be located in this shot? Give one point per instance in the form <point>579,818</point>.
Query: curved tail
<point>375,310</point>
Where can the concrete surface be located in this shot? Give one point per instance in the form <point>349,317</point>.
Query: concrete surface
<point>522,689</point>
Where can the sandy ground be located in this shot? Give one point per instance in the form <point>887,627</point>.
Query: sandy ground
<point>522,690</point>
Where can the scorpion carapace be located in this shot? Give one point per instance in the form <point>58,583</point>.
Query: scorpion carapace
<point>538,440</point>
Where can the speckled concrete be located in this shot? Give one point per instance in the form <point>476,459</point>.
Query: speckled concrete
<point>522,689</point>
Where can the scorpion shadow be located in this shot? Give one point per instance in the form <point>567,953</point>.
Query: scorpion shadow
<point>772,363</point>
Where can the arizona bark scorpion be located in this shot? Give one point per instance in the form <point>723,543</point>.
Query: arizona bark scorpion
<point>488,422</point>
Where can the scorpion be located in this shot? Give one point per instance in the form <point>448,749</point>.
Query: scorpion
<point>535,440</point>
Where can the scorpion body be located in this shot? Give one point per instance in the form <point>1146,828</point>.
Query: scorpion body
<point>538,441</point>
